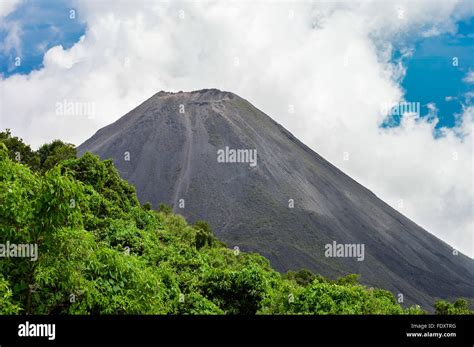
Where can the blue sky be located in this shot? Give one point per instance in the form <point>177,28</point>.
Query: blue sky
<point>432,78</point>
<point>44,24</point>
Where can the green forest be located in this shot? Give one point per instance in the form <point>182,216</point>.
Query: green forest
<point>101,252</point>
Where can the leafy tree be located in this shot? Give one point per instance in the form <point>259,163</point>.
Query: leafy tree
<point>166,209</point>
<point>236,292</point>
<point>7,306</point>
<point>204,235</point>
<point>52,153</point>
<point>33,209</point>
<point>194,303</point>
<point>460,306</point>
<point>18,150</point>
<point>302,277</point>
<point>350,279</point>
<point>147,206</point>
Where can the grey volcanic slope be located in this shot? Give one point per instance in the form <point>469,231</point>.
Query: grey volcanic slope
<point>173,156</point>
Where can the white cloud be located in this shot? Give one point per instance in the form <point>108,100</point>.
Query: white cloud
<point>11,44</point>
<point>469,77</point>
<point>12,41</point>
<point>7,6</point>
<point>328,59</point>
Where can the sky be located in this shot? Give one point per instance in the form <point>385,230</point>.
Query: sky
<point>334,73</point>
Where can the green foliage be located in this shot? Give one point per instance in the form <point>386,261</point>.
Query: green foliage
<point>460,306</point>
<point>166,209</point>
<point>236,292</point>
<point>7,306</point>
<point>415,310</point>
<point>33,209</point>
<point>44,159</point>
<point>52,153</point>
<point>324,297</point>
<point>19,151</point>
<point>100,252</point>
<point>204,235</point>
<point>302,277</point>
<point>350,279</point>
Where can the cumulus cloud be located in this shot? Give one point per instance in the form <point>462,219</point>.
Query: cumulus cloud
<point>329,60</point>
<point>7,6</point>
<point>469,77</point>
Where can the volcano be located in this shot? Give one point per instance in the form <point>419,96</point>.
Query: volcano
<point>213,156</point>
